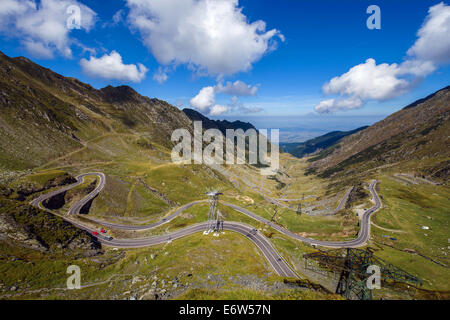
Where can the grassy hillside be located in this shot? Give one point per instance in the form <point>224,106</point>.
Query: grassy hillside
<point>45,116</point>
<point>56,128</point>
<point>417,132</point>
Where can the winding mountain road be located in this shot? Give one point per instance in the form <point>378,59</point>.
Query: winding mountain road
<point>363,235</point>
<point>263,244</point>
<point>128,227</point>
<point>75,209</point>
<point>270,253</point>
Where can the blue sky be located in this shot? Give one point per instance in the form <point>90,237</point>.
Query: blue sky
<point>314,42</point>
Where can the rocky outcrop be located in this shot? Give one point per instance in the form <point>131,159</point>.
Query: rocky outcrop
<point>29,227</point>
<point>24,190</point>
<point>9,231</point>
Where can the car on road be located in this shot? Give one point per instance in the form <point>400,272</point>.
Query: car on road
<point>109,238</point>
<point>95,233</point>
<point>103,231</point>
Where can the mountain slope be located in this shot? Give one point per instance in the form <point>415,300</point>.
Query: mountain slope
<point>45,115</point>
<point>419,132</point>
<point>302,149</point>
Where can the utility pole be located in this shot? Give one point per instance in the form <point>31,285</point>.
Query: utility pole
<point>352,265</point>
<point>213,215</point>
<point>275,210</point>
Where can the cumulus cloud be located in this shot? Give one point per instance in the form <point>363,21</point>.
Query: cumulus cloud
<point>433,43</point>
<point>111,67</point>
<point>366,81</point>
<point>42,27</point>
<point>217,110</point>
<point>417,68</point>
<point>236,106</point>
<point>237,88</point>
<point>210,36</point>
<point>161,75</point>
<point>333,105</point>
<point>205,100</point>
<point>369,81</point>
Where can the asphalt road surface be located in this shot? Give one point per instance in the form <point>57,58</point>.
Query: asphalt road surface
<point>75,209</point>
<point>263,244</point>
<point>363,235</point>
<point>147,226</point>
<point>270,253</point>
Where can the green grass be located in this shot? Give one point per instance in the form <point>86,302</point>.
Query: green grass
<point>191,261</point>
<point>43,177</point>
<point>408,208</point>
<point>248,294</point>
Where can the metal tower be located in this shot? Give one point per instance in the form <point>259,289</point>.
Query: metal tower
<point>214,223</point>
<point>299,209</point>
<point>352,264</point>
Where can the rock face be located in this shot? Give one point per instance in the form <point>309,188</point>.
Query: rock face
<point>24,190</point>
<point>35,229</point>
<point>9,231</point>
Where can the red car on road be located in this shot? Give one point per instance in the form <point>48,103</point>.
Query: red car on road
<point>95,233</point>
<point>103,231</point>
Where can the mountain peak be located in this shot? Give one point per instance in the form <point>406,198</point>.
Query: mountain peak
<point>120,93</point>
<point>222,125</point>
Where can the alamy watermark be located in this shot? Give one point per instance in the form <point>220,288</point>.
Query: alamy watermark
<point>374,280</point>
<point>74,281</point>
<point>239,146</point>
<point>374,21</point>
<point>74,19</point>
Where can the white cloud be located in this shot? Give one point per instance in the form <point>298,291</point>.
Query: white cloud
<point>117,19</point>
<point>236,106</point>
<point>38,49</point>
<point>217,110</point>
<point>366,81</point>
<point>161,75</point>
<point>42,29</point>
<point>238,88</point>
<point>369,81</point>
<point>112,67</point>
<point>433,43</point>
<point>205,99</point>
<point>333,105</point>
<point>417,68</point>
<point>210,36</point>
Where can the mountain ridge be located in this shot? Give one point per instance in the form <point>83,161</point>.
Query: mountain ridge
<point>311,146</point>
<point>45,115</point>
<point>221,125</point>
<point>418,132</point>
